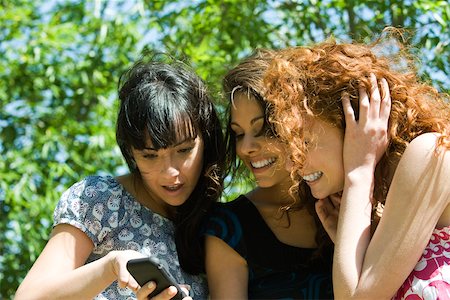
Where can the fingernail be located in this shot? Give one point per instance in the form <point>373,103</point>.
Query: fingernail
<point>151,285</point>
<point>172,290</point>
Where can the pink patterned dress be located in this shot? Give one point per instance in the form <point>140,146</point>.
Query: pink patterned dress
<point>430,279</point>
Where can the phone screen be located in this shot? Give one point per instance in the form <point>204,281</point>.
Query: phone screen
<point>150,269</point>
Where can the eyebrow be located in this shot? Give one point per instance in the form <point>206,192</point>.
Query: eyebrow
<point>253,121</point>
<point>175,145</point>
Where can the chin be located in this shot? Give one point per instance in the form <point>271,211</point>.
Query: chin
<point>264,184</point>
<point>320,195</point>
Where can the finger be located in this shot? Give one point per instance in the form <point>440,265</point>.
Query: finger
<point>324,210</point>
<point>186,288</point>
<point>375,97</point>
<point>349,113</point>
<point>132,284</point>
<point>335,200</point>
<point>146,290</point>
<point>124,277</point>
<point>328,220</point>
<point>321,210</point>
<point>168,293</point>
<point>363,104</point>
<point>385,109</point>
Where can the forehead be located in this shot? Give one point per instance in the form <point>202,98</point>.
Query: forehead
<point>245,105</point>
<point>322,131</point>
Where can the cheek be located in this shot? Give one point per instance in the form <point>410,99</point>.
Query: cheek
<point>336,161</point>
<point>149,180</point>
<point>193,165</point>
<point>147,168</point>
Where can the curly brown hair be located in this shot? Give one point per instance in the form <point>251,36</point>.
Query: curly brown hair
<point>310,81</point>
<point>247,77</point>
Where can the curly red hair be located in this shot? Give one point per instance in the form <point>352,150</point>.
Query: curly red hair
<point>310,81</point>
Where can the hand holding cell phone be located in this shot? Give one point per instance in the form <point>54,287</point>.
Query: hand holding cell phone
<point>149,269</point>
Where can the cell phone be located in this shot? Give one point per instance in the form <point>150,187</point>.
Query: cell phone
<point>151,269</point>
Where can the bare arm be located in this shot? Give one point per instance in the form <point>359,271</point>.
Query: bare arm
<point>365,268</point>
<point>60,273</point>
<point>226,270</point>
<point>418,196</point>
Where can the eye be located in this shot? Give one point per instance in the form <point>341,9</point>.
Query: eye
<point>263,132</point>
<point>239,136</point>
<point>259,128</point>
<point>149,156</point>
<point>185,150</point>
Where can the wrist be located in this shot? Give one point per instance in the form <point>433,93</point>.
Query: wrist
<point>361,174</point>
<point>111,263</point>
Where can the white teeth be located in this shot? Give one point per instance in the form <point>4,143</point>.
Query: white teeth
<point>262,163</point>
<point>173,187</point>
<point>313,176</point>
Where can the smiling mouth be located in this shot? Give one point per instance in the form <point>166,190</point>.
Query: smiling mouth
<point>263,163</point>
<point>312,177</point>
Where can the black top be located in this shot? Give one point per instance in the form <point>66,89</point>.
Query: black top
<point>276,270</point>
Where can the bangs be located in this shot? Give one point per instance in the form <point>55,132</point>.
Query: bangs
<point>166,123</point>
<point>173,131</point>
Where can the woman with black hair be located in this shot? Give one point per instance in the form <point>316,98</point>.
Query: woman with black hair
<point>171,139</point>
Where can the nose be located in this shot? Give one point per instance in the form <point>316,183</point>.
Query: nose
<point>170,167</point>
<point>248,145</point>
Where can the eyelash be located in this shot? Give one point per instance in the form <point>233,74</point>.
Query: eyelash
<point>262,132</point>
<point>181,151</point>
<point>186,150</point>
<point>149,156</point>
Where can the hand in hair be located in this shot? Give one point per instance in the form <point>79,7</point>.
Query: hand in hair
<point>366,139</point>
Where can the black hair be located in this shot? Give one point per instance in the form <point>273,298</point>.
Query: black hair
<point>168,103</point>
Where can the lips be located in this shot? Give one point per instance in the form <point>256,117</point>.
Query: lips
<point>312,177</point>
<point>262,163</point>
<point>173,188</point>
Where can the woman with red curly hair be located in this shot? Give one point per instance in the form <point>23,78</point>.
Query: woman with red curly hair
<point>376,155</point>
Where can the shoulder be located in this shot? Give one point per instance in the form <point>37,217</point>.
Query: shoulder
<point>92,187</point>
<point>423,164</point>
<point>226,216</point>
<point>423,144</point>
<point>87,192</point>
<point>422,149</point>
<point>423,152</point>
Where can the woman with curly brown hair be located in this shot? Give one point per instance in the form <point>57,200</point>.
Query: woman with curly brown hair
<point>263,245</point>
<point>369,148</point>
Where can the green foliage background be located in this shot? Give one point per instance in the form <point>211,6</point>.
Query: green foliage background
<point>60,62</point>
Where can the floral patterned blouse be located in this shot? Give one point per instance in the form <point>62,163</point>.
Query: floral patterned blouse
<point>114,220</point>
